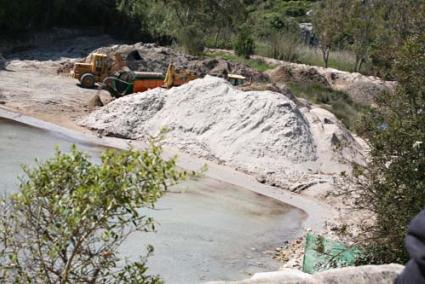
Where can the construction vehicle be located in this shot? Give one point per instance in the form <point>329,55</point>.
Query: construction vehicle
<point>120,81</point>
<point>128,82</point>
<point>100,67</point>
<point>236,80</point>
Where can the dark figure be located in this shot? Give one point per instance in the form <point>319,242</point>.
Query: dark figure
<point>414,272</point>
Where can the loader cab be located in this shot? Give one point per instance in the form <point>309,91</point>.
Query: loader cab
<point>99,64</point>
<point>90,73</point>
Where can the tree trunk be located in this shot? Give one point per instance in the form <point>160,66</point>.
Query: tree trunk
<point>216,37</point>
<point>360,65</point>
<point>357,63</point>
<point>325,52</point>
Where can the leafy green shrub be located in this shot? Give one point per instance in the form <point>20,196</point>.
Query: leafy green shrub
<point>244,45</point>
<point>191,39</point>
<point>70,216</point>
<point>295,11</point>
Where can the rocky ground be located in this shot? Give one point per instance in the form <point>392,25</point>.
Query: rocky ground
<point>377,274</point>
<point>362,89</point>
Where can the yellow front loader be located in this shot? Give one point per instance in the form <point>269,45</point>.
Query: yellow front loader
<point>100,67</point>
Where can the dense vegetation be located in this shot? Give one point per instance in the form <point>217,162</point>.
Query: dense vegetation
<point>393,184</point>
<point>21,18</point>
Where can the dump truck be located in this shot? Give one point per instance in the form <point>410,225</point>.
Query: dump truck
<point>100,67</point>
<point>128,82</point>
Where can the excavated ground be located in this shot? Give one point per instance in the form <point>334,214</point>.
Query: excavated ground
<point>35,82</point>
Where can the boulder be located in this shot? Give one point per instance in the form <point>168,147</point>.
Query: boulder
<point>369,274</point>
<point>95,101</point>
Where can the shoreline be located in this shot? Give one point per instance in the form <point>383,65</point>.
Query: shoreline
<point>317,212</point>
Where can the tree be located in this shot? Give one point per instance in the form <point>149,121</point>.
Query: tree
<point>284,40</point>
<point>361,24</point>
<point>189,23</point>
<point>244,45</point>
<point>328,22</point>
<point>71,215</point>
<point>393,185</point>
<point>396,20</point>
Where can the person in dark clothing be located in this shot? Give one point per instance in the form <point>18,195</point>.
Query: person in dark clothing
<point>414,272</point>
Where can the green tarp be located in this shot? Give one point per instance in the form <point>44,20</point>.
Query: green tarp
<point>322,254</point>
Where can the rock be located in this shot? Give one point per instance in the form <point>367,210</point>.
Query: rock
<point>261,179</point>
<point>65,67</point>
<point>312,76</point>
<point>290,73</point>
<point>369,274</point>
<point>222,67</point>
<point>376,274</point>
<point>95,101</point>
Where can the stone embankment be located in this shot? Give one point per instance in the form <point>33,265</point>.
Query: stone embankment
<point>369,274</point>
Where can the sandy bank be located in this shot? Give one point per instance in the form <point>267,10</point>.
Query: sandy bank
<point>318,212</point>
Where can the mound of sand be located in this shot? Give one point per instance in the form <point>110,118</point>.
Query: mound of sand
<point>260,132</point>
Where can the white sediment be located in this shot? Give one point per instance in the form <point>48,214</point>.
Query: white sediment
<point>258,132</point>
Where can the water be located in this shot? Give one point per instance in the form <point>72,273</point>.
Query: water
<point>207,230</point>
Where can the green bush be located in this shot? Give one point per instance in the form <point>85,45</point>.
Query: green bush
<point>191,39</point>
<point>69,218</point>
<point>244,45</point>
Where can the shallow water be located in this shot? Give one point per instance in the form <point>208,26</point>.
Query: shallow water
<point>207,230</point>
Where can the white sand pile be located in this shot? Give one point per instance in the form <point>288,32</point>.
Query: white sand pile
<point>259,132</point>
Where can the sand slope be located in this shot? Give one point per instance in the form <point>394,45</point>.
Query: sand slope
<point>259,132</point>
